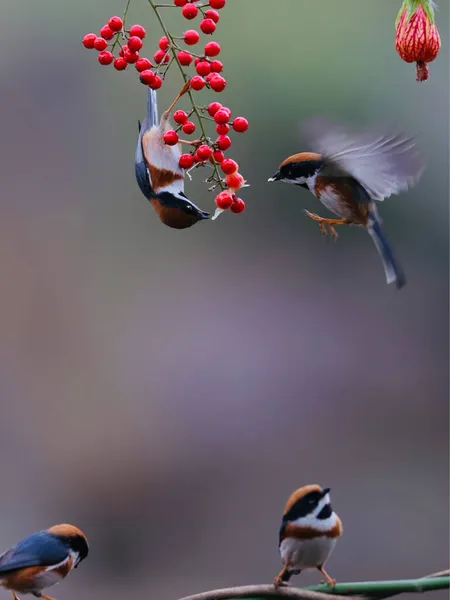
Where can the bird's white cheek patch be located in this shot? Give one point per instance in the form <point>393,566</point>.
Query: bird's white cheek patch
<point>315,523</point>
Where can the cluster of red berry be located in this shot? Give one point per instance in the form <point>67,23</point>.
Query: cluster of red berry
<point>213,151</point>
<point>128,53</point>
<point>208,75</point>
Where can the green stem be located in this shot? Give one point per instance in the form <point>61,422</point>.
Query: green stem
<point>384,589</point>
<point>185,78</point>
<point>124,18</point>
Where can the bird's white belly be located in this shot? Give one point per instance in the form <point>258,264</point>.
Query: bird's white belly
<point>330,199</point>
<point>46,579</point>
<point>306,554</point>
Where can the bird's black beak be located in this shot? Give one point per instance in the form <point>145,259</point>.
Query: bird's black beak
<point>275,177</point>
<point>325,491</point>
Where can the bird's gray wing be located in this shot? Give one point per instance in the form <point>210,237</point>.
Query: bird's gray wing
<point>384,164</point>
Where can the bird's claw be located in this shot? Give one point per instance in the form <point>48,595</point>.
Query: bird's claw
<point>322,224</point>
<point>278,582</point>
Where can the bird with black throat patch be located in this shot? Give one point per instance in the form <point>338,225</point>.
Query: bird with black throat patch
<point>43,559</point>
<point>158,173</point>
<point>308,533</point>
<point>350,173</point>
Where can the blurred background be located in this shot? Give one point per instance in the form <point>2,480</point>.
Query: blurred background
<point>167,390</point>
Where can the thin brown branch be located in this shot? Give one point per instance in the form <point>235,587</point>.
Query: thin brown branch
<point>261,591</point>
<point>445,573</point>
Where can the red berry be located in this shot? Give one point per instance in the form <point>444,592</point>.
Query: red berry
<point>216,66</point>
<point>218,83</point>
<point>190,11</point>
<point>191,37</point>
<point>189,127</point>
<point>238,206</point>
<point>100,44</point>
<point>186,161</point>
<point>212,14</point>
<point>224,200</point>
<point>203,67</point>
<point>147,77</point>
<point>120,64</point>
<point>218,156</point>
<point>105,58</point>
<point>223,129</point>
<point>164,43</point>
<point>224,142</point>
<point>223,115</point>
<point>197,158</point>
<point>88,40</point>
<point>197,83</point>
<point>208,26</point>
<point>135,43</point>
<point>240,124</point>
<point>143,64</point>
<point>180,2</point>
<point>171,138</point>
<point>138,31</point>
<point>129,56</point>
<point>185,58</point>
<point>156,82</point>
<point>212,49</point>
<point>204,152</point>
<point>218,4</point>
<point>115,23</point>
<point>180,117</point>
<point>161,56</point>
<point>214,107</point>
<point>106,32</point>
<point>229,166</point>
<point>235,181</point>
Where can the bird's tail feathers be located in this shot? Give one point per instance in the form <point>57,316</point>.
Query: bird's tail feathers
<point>394,273</point>
<point>152,108</point>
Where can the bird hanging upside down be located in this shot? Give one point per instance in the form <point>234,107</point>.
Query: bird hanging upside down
<point>348,173</point>
<point>42,560</point>
<point>159,176</point>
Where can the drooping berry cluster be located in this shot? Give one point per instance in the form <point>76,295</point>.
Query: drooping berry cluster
<point>121,47</point>
<point>213,151</point>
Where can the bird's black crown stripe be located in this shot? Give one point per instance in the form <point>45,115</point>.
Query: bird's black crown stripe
<point>303,507</point>
<point>325,513</point>
<point>297,170</point>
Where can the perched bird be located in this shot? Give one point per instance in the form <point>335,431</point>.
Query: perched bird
<point>348,173</point>
<point>158,173</point>
<point>42,560</point>
<point>308,533</point>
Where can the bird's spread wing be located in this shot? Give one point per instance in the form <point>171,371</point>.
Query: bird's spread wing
<point>40,549</point>
<point>384,164</point>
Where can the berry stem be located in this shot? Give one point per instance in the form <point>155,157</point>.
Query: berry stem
<point>120,33</point>
<point>172,47</point>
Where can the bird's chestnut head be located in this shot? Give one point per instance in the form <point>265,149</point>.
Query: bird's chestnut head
<point>298,168</point>
<point>73,538</point>
<point>310,501</point>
